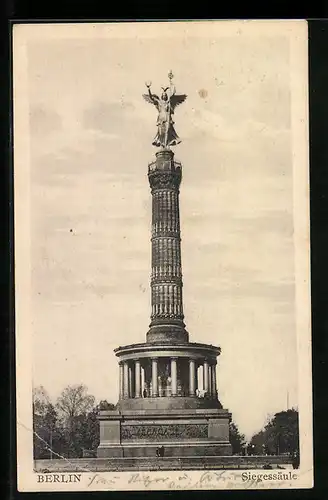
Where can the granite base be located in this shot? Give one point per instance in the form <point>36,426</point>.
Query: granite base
<point>179,433</point>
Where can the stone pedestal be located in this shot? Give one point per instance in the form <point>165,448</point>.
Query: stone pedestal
<point>202,432</point>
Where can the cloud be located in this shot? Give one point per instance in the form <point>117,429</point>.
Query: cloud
<point>108,117</point>
<point>243,283</point>
<point>60,277</point>
<point>265,100</point>
<point>267,221</point>
<point>95,157</point>
<point>283,292</point>
<point>219,126</point>
<point>44,121</point>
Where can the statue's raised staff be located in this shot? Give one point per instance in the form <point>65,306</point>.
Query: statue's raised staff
<point>166,135</point>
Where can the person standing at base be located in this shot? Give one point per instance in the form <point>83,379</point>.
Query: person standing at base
<point>295,460</point>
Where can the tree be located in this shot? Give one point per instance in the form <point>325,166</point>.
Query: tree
<point>70,426</point>
<point>73,405</point>
<point>258,444</point>
<point>74,401</point>
<point>237,440</point>
<point>280,435</point>
<point>282,432</point>
<point>45,432</point>
<point>104,405</point>
<point>40,398</point>
<point>90,431</point>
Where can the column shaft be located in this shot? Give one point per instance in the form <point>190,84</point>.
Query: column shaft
<point>214,380</point>
<point>125,380</point>
<point>121,381</point>
<point>166,254</point>
<point>192,377</point>
<point>137,379</point>
<point>210,380</point>
<point>130,382</point>
<point>205,376</point>
<point>174,376</point>
<point>154,378</point>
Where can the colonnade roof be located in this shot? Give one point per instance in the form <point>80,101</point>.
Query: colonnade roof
<point>168,349</point>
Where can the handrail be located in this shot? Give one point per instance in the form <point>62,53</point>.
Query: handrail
<point>152,165</point>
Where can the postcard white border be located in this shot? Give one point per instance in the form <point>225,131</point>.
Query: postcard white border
<point>22,34</point>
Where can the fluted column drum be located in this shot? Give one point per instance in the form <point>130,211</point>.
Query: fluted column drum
<point>166,269</point>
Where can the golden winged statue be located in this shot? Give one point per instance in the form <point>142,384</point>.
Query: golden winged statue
<point>165,104</point>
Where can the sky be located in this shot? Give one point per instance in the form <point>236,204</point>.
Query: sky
<point>90,134</point>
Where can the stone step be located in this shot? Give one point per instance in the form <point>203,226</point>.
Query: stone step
<point>163,463</point>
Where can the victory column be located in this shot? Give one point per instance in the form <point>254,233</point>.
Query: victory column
<point>168,396</point>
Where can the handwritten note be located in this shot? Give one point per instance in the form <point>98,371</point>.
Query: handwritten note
<point>186,481</point>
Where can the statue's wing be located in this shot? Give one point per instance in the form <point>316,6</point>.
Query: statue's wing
<point>153,100</point>
<point>177,99</point>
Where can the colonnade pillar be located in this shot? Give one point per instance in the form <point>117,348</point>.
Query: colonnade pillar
<point>137,379</point>
<point>125,380</point>
<point>121,381</point>
<point>214,380</point>
<point>205,376</point>
<point>192,377</point>
<point>154,372</point>
<point>130,383</point>
<point>174,376</point>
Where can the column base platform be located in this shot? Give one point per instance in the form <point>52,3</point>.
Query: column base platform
<point>178,433</point>
<point>170,450</point>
